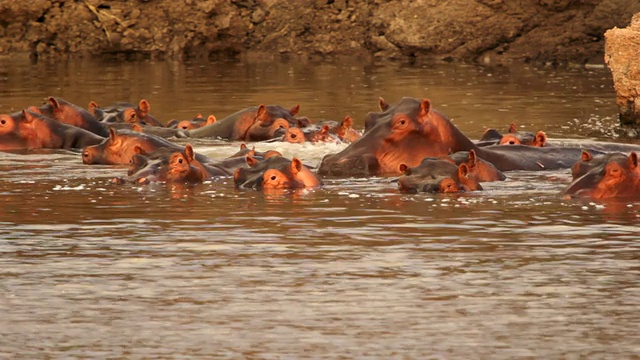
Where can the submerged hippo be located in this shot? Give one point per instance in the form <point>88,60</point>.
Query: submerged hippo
<point>614,177</point>
<point>30,130</point>
<point>412,130</point>
<point>125,112</point>
<point>120,146</point>
<point>513,137</point>
<point>276,173</point>
<point>71,114</point>
<point>256,123</point>
<point>435,175</point>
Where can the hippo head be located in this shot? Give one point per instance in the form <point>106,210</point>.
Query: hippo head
<point>482,170</point>
<point>436,175</point>
<point>275,173</point>
<point>612,177</point>
<point>270,122</point>
<point>405,133</point>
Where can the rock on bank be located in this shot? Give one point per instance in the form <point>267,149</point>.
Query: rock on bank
<point>622,55</point>
<point>489,31</point>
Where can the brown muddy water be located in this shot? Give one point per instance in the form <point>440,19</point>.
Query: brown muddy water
<point>90,269</point>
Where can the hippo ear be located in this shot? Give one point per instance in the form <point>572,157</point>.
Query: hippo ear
<point>633,160</point>
<point>384,106</point>
<point>425,108</point>
<point>243,146</point>
<point>137,128</point>
<point>144,107</point>
<point>294,110</point>
<point>54,103</point>
<point>263,114</point>
<point>512,128</point>
<point>540,140</point>
<point>188,152</point>
<point>92,107</point>
<point>250,160</point>
<point>28,116</point>
<point>324,129</point>
<point>296,165</point>
<point>251,152</point>
<point>173,123</point>
<point>210,120</point>
<point>112,134</point>
<point>347,122</point>
<point>463,170</point>
<point>404,169</point>
<point>139,150</point>
<point>586,156</point>
<point>472,159</point>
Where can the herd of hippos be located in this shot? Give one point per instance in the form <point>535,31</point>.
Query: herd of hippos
<point>409,139</point>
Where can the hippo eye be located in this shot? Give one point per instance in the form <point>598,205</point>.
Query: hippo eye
<point>512,142</point>
<point>180,161</point>
<point>273,178</point>
<point>402,122</point>
<point>3,121</point>
<point>293,136</point>
<point>184,127</point>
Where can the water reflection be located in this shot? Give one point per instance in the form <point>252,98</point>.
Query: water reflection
<point>355,269</point>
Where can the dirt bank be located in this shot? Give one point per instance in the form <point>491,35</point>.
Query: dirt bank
<point>488,31</point>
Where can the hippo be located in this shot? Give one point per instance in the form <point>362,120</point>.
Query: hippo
<point>513,137</point>
<point>310,134</point>
<point>163,132</point>
<point>68,113</point>
<point>275,173</point>
<point>31,130</point>
<point>613,178</point>
<point>436,175</point>
<point>411,130</point>
<point>482,170</point>
<point>588,162</point>
<point>195,123</point>
<point>345,131</point>
<point>125,112</point>
<point>251,124</point>
<point>171,166</point>
<point>244,151</point>
<point>119,147</point>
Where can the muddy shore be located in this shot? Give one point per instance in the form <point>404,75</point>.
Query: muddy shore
<point>484,31</point>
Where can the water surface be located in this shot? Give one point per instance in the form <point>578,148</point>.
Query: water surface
<point>90,269</point>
